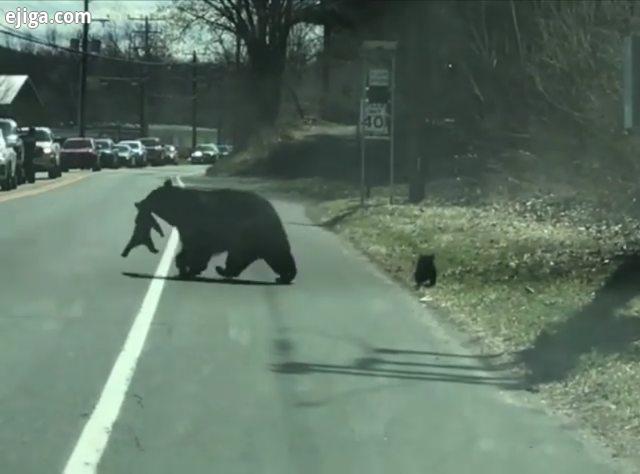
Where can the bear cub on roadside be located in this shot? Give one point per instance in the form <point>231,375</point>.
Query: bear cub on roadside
<point>425,273</point>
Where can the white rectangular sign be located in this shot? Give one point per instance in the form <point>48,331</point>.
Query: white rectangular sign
<point>379,77</point>
<point>375,120</point>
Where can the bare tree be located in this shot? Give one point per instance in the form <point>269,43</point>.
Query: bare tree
<point>264,28</point>
<point>222,49</point>
<point>305,44</point>
<point>114,39</point>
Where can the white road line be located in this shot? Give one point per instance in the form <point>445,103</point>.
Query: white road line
<point>94,437</point>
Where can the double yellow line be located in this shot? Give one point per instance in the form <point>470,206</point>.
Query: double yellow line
<point>20,193</point>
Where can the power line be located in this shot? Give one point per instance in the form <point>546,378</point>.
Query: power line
<point>83,73</point>
<point>100,56</point>
<point>7,31</point>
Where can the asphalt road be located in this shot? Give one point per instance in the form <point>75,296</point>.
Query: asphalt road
<point>341,372</point>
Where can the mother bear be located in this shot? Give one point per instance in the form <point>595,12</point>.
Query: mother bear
<point>215,221</point>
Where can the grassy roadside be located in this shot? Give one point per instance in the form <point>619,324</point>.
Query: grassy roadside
<point>547,275</point>
<point>545,286</point>
<point>551,287</point>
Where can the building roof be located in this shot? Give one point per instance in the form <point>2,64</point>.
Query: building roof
<point>10,87</point>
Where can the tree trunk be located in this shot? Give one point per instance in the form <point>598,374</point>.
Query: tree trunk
<point>296,101</point>
<point>267,64</point>
<point>326,70</point>
<point>415,95</point>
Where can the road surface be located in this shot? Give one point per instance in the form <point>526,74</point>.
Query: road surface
<point>105,368</point>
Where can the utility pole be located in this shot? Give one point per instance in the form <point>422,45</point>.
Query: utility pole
<point>194,101</point>
<point>84,67</point>
<point>416,90</point>
<point>144,127</point>
<point>83,74</point>
<point>234,117</point>
<point>146,32</point>
<point>143,104</point>
<point>146,36</point>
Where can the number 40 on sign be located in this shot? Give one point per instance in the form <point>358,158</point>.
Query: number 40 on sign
<point>375,120</point>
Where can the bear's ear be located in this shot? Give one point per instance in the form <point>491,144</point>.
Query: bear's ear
<point>168,183</point>
<point>137,204</point>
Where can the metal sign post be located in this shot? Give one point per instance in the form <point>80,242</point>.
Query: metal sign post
<point>392,132</point>
<point>361,135</point>
<point>377,106</point>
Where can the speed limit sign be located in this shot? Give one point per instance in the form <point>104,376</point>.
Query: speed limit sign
<point>375,120</point>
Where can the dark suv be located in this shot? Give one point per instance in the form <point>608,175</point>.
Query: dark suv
<point>108,156</point>
<point>155,150</point>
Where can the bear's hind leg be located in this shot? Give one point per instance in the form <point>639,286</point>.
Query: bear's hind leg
<point>284,265</point>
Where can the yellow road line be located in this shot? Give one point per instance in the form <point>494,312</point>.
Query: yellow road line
<point>40,189</point>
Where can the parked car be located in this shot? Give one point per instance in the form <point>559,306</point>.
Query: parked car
<point>108,156</point>
<point>125,154</point>
<point>8,161</point>
<point>171,154</point>
<point>225,150</point>
<point>9,129</point>
<point>80,153</point>
<point>205,153</point>
<point>138,152</point>
<point>155,150</point>
<point>47,153</point>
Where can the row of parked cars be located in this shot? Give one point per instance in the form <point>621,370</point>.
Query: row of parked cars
<point>55,155</point>
<point>98,153</point>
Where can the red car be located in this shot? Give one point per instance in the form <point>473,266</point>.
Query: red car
<point>79,153</point>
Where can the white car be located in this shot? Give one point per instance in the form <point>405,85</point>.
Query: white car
<point>8,160</point>
<point>138,152</point>
<point>207,153</point>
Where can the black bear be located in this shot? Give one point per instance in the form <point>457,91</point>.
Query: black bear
<point>425,273</point>
<point>215,221</point>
